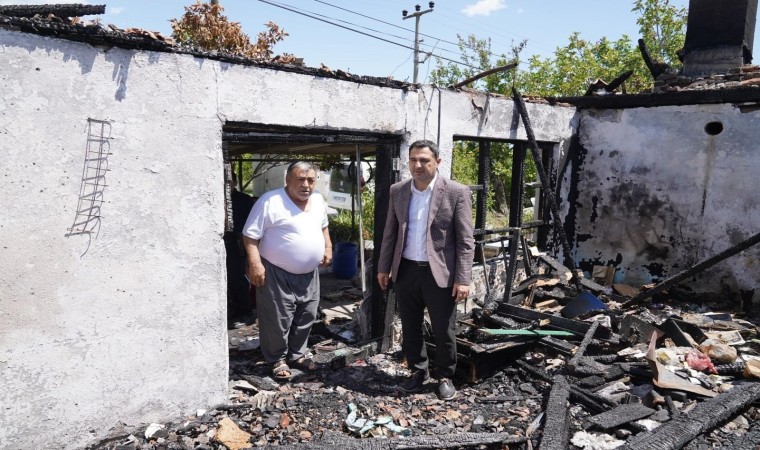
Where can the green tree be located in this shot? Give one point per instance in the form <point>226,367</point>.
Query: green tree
<point>204,26</point>
<point>573,67</point>
<point>568,72</point>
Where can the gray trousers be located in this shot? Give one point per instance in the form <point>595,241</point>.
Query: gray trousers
<point>287,307</point>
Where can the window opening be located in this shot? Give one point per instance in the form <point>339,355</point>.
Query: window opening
<point>508,206</point>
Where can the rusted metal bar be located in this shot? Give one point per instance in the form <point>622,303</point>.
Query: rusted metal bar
<point>484,74</point>
<point>703,418</point>
<point>556,420</point>
<point>545,183</point>
<point>67,10</point>
<point>676,279</point>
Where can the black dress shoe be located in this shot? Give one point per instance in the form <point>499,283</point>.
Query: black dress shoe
<point>446,389</point>
<point>415,382</point>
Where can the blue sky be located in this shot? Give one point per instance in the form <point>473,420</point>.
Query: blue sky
<point>546,24</point>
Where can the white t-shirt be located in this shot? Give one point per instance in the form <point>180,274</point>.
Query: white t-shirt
<point>289,238</point>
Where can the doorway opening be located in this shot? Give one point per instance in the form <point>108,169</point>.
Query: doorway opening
<point>355,173</point>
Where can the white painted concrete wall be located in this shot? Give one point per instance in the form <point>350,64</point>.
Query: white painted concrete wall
<point>657,194</point>
<point>128,326</point>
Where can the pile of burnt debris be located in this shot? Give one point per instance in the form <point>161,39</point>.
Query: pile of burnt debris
<point>566,362</point>
<point>744,76</point>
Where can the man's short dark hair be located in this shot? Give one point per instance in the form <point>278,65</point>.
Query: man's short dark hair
<point>425,143</point>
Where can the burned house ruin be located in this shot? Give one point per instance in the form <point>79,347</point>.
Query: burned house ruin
<point>117,146</point>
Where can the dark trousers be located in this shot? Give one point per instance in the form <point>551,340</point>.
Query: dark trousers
<point>416,290</point>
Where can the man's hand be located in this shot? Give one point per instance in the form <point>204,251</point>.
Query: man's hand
<point>383,279</point>
<point>460,292</point>
<point>256,274</point>
<point>327,259</point>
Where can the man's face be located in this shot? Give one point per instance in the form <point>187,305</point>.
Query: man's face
<point>300,184</point>
<point>423,164</point>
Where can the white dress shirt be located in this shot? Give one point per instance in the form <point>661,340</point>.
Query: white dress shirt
<point>415,244</point>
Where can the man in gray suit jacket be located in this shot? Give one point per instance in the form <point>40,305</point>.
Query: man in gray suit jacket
<point>427,250</point>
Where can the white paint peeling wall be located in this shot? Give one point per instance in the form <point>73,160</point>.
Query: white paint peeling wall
<point>657,194</point>
<point>128,326</point>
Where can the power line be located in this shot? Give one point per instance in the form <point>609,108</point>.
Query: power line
<point>368,28</point>
<point>290,8</point>
<point>405,29</point>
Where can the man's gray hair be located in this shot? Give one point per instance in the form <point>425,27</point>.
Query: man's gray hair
<point>300,165</point>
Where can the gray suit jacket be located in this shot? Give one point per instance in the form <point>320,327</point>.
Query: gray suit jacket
<point>450,243</point>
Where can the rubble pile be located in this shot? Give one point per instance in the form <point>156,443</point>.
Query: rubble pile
<point>744,76</point>
<point>563,364</point>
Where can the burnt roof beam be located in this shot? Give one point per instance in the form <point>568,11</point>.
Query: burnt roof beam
<point>63,10</point>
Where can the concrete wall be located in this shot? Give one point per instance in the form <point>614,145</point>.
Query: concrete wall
<point>655,194</point>
<point>127,325</point>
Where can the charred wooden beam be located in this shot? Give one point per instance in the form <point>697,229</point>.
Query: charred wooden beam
<point>621,415</point>
<point>736,95</point>
<point>703,418</point>
<point>559,227</point>
<point>614,84</point>
<point>484,74</point>
<point>556,419</point>
<point>557,322</point>
<point>656,68</point>
<point>709,262</point>
<point>591,401</point>
<point>674,411</point>
<point>334,441</point>
<point>575,360</point>
<point>67,10</point>
<point>557,345</point>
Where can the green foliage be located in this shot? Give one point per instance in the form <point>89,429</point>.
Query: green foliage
<point>206,27</point>
<point>345,229</point>
<point>568,72</point>
<point>574,66</point>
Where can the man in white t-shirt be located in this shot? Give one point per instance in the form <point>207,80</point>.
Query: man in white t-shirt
<point>286,239</point>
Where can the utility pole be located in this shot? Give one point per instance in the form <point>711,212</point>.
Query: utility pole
<point>405,15</point>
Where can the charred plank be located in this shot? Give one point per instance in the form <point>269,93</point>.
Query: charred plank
<point>592,402</point>
<point>556,423</point>
<point>67,10</point>
<point>462,440</point>
<point>703,418</point>
<point>575,360</point>
<point>621,415</point>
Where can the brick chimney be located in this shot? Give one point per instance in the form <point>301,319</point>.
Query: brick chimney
<point>719,36</point>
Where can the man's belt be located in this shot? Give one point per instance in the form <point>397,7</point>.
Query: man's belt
<point>417,263</point>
